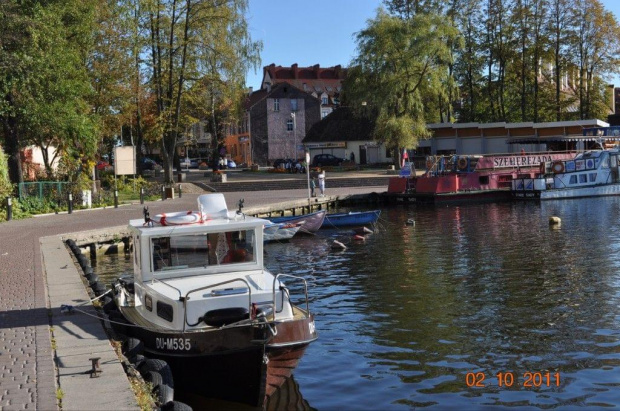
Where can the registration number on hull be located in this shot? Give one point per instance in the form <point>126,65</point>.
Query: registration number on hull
<point>176,344</point>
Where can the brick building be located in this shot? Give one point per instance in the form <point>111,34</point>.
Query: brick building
<point>278,116</point>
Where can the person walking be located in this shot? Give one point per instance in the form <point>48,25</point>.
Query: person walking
<point>322,182</point>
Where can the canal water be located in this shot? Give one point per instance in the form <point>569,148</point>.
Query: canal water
<point>472,306</point>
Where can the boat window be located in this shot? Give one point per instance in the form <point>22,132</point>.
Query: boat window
<point>583,178</point>
<point>573,179</point>
<point>605,162</point>
<point>484,180</point>
<point>202,250</point>
<point>592,177</point>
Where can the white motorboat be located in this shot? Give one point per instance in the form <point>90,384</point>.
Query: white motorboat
<point>201,300</point>
<point>589,174</point>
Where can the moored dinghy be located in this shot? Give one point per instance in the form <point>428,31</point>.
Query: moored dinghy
<point>311,221</point>
<point>351,218</point>
<point>202,301</point>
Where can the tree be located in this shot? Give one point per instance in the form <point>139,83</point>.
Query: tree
<point>186,54</point>
<point>400,68</point>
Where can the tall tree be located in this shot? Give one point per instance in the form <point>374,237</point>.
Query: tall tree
<point>400,67</point>
<point>184,37</point>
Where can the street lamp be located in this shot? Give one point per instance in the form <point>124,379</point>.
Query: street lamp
<point>294,137</point>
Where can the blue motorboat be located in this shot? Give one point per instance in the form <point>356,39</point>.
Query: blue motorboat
<point>351,218</point>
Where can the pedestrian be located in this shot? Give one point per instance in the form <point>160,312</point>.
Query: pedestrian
<point>322,182</point>
<point>312,187</point>
<point>352,157</point>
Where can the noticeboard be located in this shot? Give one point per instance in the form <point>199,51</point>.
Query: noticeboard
<point>124,160</point>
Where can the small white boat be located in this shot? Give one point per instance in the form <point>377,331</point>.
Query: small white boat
<point>589,174</point>
<point>311,222</point>
<point>202,302</point>
<point>281,231</point>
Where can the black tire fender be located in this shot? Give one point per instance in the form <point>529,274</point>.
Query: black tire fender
<point>132,348</point>
<point>163,392</point>
<point>159,366</point>
<point>176,406</point>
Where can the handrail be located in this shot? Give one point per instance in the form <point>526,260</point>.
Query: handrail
<point>212,286</point>
<point>296,278</point>
<point>153,279</point>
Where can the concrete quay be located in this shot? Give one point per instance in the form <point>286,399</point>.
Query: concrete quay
<point>45,354</point>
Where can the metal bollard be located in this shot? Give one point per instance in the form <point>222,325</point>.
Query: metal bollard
<point>70,203</point>
<point>141,195</point>
<point>9,209</point>
<point>115,198</point>
<point>180,191</point>
<point>163,193</point>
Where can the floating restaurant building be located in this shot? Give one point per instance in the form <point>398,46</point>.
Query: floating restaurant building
<point>487,138</point>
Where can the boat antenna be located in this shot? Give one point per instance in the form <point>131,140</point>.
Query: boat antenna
<point>147,217</point>
<point>240,204</point>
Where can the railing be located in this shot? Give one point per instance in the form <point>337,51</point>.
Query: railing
<point>296,278</point>
<point>44,189</point>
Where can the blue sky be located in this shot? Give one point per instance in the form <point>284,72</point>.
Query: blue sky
<point>318,31</point>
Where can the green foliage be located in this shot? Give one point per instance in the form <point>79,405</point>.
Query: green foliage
<point>402,74</point>
<point>6,188</point>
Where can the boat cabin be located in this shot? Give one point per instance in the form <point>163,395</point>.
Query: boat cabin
<point>183,271</point>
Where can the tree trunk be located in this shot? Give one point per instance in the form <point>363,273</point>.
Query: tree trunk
<point>12,144</point>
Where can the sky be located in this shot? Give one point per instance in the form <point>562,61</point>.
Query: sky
<point>318,31</point>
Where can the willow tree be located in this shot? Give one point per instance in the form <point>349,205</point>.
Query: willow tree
<point>401,70</point>
<point>184,37</point>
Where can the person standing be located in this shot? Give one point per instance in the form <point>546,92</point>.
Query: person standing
<point>322,182</point>
<point>352,157</point>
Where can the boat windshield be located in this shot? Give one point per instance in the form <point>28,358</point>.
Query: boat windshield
<point>202,250</point>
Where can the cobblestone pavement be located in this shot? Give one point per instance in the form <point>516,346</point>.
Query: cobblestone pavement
<point>27,373</point>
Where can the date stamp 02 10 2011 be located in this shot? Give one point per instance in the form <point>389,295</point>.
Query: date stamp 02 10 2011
<point>508,379</point>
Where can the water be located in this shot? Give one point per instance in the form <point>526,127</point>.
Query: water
<point>406,317</point>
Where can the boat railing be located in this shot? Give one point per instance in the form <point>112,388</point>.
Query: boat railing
<point>167,285</point>
<point>301,279</point>
<point>195,290</point>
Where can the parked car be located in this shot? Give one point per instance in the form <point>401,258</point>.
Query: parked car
<point>103,166</point>
<point>321,160</point>
<point>189,163</point>
<point>147,164</point>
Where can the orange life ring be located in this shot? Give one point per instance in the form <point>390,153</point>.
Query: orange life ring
<point>462,163</point>
<point>558,167</point>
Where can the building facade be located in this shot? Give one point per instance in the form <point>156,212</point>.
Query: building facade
<point>278,116</point>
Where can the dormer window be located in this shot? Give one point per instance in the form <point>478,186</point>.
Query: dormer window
<point>324,100</point>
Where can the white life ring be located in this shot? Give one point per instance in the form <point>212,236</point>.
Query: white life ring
<point>179,218</point>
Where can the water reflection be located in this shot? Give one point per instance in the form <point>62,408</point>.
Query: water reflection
<point>480,288</point>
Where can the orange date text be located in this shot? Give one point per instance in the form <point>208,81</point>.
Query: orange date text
<point>511,379</point>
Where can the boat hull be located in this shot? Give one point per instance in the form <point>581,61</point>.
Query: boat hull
<point>351,219</point>
<point>242,364</point>
<point>556,194</point>
<point>311,222</point>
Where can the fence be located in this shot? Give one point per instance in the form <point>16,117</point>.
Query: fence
<point>44,189</point>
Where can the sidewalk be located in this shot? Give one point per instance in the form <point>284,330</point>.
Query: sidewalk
<point>31,287</point>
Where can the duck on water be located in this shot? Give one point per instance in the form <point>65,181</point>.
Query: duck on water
<point>201,300</point>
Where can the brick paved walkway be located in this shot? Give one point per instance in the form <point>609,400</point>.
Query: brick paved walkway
<point>27,374</point>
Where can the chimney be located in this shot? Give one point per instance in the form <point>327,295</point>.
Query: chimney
<point>295,71</point>
<point>250,90</point>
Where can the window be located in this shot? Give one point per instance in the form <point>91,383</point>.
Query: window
<point>276,104</point>
<point>289,125</point>
<point>202,250</point>
<point>573,179</point>
<point>324,100</point>
<point>324,113</point>
<point>592,177</point>
<point>294,104</point>
<point>583,178</point>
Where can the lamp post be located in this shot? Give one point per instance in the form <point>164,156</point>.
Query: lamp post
<point>308,176</point>
<point>294,137</point>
